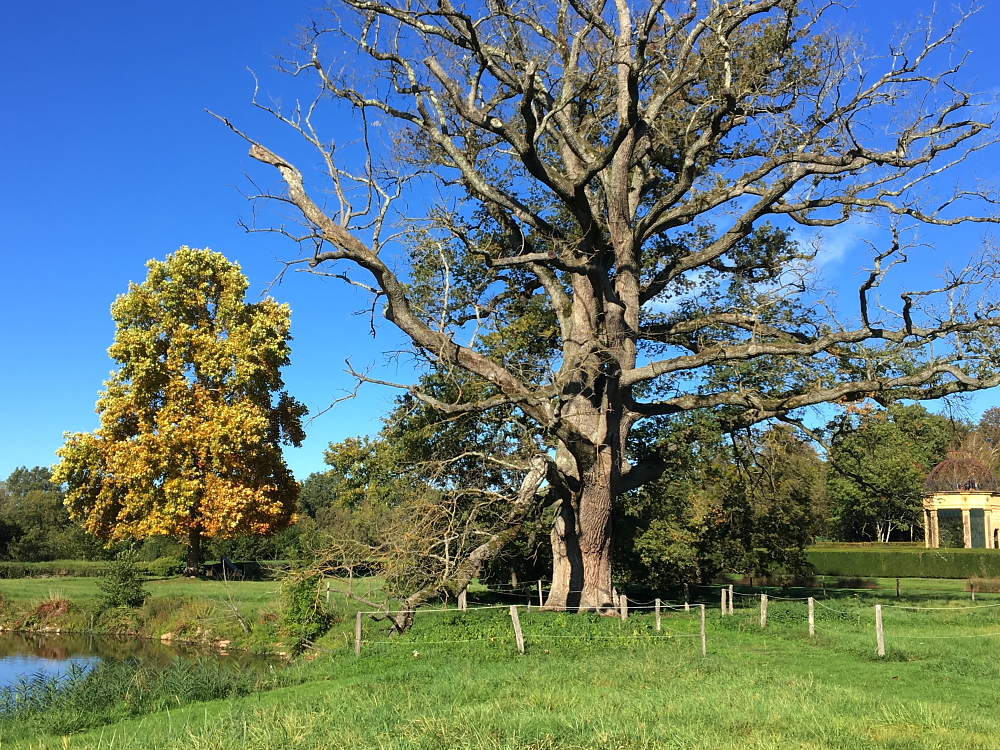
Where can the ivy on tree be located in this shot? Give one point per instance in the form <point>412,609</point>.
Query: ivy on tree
<point>193,419</point>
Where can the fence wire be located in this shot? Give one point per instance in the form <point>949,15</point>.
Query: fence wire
<point>862,614</point>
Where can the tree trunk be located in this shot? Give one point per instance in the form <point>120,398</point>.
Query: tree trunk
<point>193,567</point>
<point>567,562</point>
<point>581,543</point>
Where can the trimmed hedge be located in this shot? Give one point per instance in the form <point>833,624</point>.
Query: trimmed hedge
<point>76,568</point>
<point>905,562</point>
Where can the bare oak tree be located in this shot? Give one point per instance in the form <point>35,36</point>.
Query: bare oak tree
<point>638,169</point>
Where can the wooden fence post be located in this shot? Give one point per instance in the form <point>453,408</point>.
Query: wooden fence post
<point>463,601</point>
<point>763,610</point>
<point>658,616</point>
<point>541,603</point>
<point>623,607</point>
<point>687,599</point>
<point>722,602</point>
<point>879,634</point>
<point>517,628</point>
<point>704,645</point>
<point>812,616</point>
<point>897,588</point>
<point>730,598</point>
<point>357,636</point>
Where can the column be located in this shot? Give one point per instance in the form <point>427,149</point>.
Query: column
<point>966,528</point>
<point>988,524</point>
<point>927,529</point>
<point>935,537</point>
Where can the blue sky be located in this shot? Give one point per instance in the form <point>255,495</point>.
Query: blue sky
<point>110,159</point>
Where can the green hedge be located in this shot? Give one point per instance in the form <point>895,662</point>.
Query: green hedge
<point>79,568</point>
<point>162,567</point>
<point>905,562</point>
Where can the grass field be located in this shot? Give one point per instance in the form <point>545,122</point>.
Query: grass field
<point>457,681</point>
<point>85,589</point>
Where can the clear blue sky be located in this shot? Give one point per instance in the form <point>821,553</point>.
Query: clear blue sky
<point>109,159</point>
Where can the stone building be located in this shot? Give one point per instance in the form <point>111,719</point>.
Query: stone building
<point>962,488</point>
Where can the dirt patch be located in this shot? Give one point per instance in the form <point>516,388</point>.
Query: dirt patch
<point>52,608</point>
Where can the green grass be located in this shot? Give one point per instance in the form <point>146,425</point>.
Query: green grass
<point>85,589</point>
<point>613,684</point>
<point>43,704</point>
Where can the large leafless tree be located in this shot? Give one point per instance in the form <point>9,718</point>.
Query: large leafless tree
<point>612,159</point>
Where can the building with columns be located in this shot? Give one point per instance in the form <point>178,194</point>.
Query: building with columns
<point>962,488</point>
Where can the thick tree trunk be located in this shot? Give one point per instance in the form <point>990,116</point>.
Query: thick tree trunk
<point>581,543</point>
<point>567,563</point>
<point>193,567</point>
<point>596,494</point>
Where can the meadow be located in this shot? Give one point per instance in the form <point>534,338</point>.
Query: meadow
<point>457,680</point>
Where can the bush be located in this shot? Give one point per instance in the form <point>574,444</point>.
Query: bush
<point>161,546</point>
<point>164,567</point>
<point>905,562</point>
<point>303,615</point>
<point>122,586</point>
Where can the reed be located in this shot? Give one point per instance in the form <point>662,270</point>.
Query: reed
<point>90,696</point>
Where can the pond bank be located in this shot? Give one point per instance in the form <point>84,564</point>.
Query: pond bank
<point>234,617</point>
<point>44,654</point>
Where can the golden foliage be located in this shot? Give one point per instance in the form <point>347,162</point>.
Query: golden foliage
<point>191,431</point>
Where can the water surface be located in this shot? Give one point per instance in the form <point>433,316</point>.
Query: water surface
<point>29,653</point>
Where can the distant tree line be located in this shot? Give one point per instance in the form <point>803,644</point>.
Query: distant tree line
<point>35,527</point>
<point>748,502</point>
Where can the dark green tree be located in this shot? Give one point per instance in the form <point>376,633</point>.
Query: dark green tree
<point>32,515</point>
<point>747,502</point>
<point>879,460</point>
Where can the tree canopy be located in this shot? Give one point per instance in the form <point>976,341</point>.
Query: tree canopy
<point>193,419</point>
<point>879,461</point>
<point>620,187</point>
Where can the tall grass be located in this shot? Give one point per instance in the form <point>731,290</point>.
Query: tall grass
<point>40,704</point>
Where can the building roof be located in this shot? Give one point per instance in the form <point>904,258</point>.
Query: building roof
<point>960,472</point>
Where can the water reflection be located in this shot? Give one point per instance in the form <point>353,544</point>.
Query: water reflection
<point>27,653</point>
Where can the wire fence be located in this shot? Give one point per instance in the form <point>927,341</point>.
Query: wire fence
<point>662,621</point>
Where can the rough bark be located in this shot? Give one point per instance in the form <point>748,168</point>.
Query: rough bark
<point>567,560</point>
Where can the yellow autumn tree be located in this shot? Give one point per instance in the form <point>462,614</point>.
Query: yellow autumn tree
<point>193,420</point>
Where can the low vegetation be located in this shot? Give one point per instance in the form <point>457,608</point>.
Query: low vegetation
<point>456,680</point>
<point>240,614</point>
<point>42,704</point>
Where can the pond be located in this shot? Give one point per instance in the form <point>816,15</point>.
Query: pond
<point>31,653</point>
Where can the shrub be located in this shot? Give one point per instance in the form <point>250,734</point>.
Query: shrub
<point>122,586</point>
<point>164,567</point>
<point>304,617</point>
